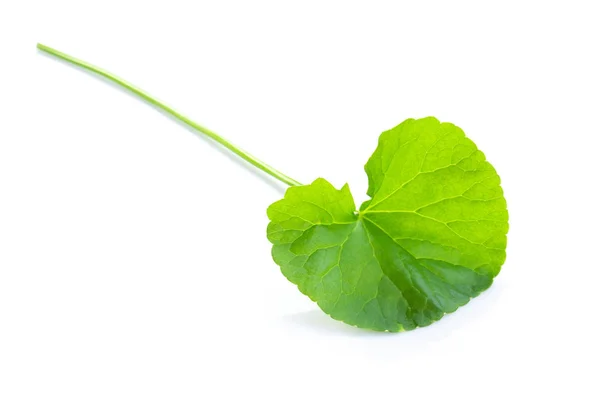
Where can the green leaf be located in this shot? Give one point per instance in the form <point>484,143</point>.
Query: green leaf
<point>431,237</point>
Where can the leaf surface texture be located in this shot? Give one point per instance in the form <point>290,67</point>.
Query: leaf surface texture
<point>431,237</point>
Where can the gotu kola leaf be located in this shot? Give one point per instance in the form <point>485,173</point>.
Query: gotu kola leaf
<point>432,236</point>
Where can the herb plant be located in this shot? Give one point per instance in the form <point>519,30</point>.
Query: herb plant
<point>431,237</point>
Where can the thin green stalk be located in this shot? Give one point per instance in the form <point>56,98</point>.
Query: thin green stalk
<point>241,153</point>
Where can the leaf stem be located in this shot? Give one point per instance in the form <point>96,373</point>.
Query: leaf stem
<point>241,153</point>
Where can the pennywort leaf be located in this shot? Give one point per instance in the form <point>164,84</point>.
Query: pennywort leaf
<point>431,237</point>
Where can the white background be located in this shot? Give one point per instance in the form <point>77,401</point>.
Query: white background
<point>135,274</point>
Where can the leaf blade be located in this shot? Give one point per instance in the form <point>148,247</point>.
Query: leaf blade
<point>432,237</point>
